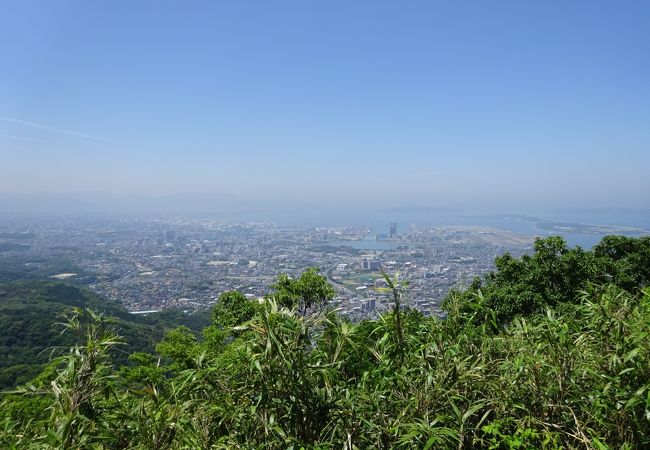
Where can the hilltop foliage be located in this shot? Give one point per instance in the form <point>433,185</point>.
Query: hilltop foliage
<point>566,366</point>
<point>555,274</point>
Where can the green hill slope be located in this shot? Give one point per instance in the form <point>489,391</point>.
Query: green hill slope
<point>30,310</point>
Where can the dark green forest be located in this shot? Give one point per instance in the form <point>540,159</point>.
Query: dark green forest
<point>551,350</point>
<point>30,310</point>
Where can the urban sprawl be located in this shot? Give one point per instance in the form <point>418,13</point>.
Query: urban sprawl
<point>149,264</point>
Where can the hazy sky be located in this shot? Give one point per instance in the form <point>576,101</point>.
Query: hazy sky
<point>541,102</point>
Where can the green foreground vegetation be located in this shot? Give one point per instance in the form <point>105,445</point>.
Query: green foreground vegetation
<point>29,335</point>
<point>552,350</point>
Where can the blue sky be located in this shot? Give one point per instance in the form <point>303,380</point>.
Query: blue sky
<point>466,102</point>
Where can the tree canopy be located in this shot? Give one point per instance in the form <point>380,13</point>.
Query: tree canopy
<point>555,274</point>
<point>310,290</point>
<point>232,309</point>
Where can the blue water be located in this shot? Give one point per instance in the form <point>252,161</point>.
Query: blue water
<point>378,221</point>
<point>521,225</point>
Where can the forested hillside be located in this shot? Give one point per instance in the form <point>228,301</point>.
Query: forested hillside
<point>20,267</point>
<point>552,350</point>
<point>29,311</point>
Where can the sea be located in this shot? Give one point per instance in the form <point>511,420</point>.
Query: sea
<point>378,222</point>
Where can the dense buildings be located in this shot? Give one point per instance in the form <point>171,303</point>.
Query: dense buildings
<point>160,262</point>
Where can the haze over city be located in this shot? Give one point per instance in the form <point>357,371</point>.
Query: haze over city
<point>528,106</point>
<point>360,224</point>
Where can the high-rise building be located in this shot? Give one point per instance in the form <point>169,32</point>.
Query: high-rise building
<point>370,264</point>
<point>171,235</point>
<point>393,230</point>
